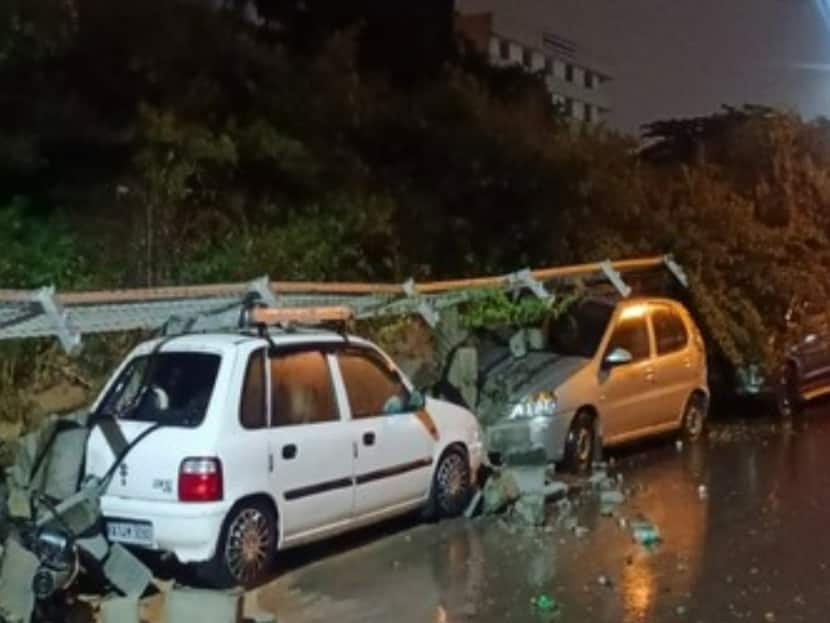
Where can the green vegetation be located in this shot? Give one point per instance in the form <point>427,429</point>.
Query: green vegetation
<point>160,142</point>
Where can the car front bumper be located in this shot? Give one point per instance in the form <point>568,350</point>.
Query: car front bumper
<point>189,531</point>
<point>549,433</point>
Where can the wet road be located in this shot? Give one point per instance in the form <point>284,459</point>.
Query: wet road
<point>756,547</point>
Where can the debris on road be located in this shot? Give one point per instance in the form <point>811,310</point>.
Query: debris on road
<point>702,492</point>
<point>646,534</point>
<point>545,603</point>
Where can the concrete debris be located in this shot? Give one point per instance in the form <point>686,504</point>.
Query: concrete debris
<point>96,546</point>
<point>612,497</point>
<point>63,467</point>
<point>463,373</point>
<point>120,610</point>
<point>475,503</point>
<point>529,479</point>
<point>702,492</point>
<point>555,490</point>
<point>530,510</point>
<point>204,606</point>
<point>500,491</point>
<point>126,572</point>
<point>17,599</point>
<point>605,581</point>
<point>645,533</point>
<point>78,513</point>
<point>580,531</point>
<point>260,617</point>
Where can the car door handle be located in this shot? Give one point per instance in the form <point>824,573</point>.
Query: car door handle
<point>369,439</point>
<point>289,451</point>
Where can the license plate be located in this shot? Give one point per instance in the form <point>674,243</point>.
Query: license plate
<point>130,532</point>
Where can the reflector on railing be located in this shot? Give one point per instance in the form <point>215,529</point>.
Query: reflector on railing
<point>299,315</point>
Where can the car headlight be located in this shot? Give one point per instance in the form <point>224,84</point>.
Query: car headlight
<point>542,404</point>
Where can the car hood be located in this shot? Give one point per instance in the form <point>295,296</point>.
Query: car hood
<point>506,379</point>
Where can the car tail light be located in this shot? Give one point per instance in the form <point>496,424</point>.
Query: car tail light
<point>200,480</point>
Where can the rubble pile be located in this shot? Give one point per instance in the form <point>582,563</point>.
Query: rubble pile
<point>53,533</point>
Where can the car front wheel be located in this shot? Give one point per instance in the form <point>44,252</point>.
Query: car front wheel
<point>579,447</point>
<point>246,548</point>
<point>694,418</point>
<point>451,486</point>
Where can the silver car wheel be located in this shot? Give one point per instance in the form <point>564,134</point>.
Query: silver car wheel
<point>247,545</point>
<point>693,423</point>
<point>452,482</point>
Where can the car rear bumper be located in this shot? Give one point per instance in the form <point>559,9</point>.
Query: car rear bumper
<point>189,531</point>
<point>549,433</point>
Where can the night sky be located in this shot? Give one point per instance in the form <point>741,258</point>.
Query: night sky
<point>687,57</point>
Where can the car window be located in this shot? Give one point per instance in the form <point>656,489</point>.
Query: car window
<point>669,331</point>
<point>632,335</point>
<point>579,331</point>
<point>301,389</point>
<point>168,387</point>
<point>252,407</point>
<point>373,388</point>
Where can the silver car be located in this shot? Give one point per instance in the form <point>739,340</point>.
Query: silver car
<point>614,371</point>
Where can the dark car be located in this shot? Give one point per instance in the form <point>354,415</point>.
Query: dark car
<point>805,373</point>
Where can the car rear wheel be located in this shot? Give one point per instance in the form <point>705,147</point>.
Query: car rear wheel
<point>246,548</point>
<point>579,447</point>
<point>452,486</point>
<point>694,418</point>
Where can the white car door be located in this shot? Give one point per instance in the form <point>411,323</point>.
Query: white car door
<point>310,444</point>
<point>393,444</point>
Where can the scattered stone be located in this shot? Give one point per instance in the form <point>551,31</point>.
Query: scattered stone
<point>530,510</point>
<point>612,497</point>
<point>499,492</point>
<point>678,445</point>
<point>702,492</point>
<point>646,534</point>
<point>605,581</point>
<point>580,531</point>
<point>680,610</point>
<point>769,617</point>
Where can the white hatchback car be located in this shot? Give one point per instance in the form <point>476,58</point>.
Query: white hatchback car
<point>224,448</point>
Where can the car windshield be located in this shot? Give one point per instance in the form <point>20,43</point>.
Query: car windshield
<point>579,331</point>
<point>170,388</point>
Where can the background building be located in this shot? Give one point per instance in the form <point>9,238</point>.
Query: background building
<point>577,83</point>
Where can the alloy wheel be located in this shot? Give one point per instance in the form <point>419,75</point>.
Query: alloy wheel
<point>247,546</point>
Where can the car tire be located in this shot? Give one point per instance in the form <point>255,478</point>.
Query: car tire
<point>787,396</point>
<point>246,549</point>
<point>579,446</point>
<point>695,414</point>
<point>452,486</point>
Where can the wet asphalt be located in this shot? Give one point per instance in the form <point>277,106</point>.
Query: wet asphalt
<point>752,545</point>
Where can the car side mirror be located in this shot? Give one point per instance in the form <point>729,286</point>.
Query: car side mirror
<point>617,357</point>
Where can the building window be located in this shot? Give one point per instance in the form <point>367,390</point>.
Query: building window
<point>504,49</point>
<point>589,113</point>
<point>559,69</point>
<point>569,73</point>
<point>527,58</point>
<point>548,66</point>
<point>578,110</point>
<point>590,80</point>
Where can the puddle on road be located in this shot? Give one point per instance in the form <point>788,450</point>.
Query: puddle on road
<point>731,554</point>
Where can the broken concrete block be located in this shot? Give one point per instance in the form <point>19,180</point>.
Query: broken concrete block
<point>530,510</point>
<point>463,374</point>
<point>17,599</point>
<point>529,479</point>
<point>611,497</point>
<point>78,512</point>
<point>261,617</point>
<point>126,572</point>
<point>555,490</point>
<point>64,461</point>
<point>120,610</point>
<point>518,344</point>
<point>97,547</point>
<point>204,606</point>
<point>499,492</point>
<point>472,507</point>
<point>18,502</point>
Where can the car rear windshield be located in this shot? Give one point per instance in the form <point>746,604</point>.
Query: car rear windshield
<point>170,388</point>
<point>579,331</point>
